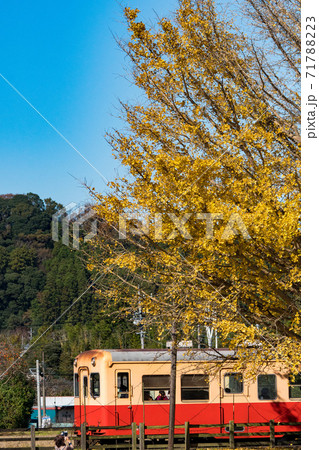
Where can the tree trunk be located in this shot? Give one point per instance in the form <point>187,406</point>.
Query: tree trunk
<point>172,391</point>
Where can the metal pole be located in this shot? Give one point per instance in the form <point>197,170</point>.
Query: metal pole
<point>38,393</point>
<point>209,334</point>
<point>142,338</point>
<point>141,325</point>
<point>172,389</point>
<point>43,386</point>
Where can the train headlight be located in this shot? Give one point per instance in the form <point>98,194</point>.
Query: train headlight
<point>93,362</point>
<point>75,362</point>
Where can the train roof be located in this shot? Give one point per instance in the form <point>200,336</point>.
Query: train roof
<point>161,355</point>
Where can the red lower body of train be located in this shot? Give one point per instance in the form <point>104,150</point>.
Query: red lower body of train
<point>157,414</point>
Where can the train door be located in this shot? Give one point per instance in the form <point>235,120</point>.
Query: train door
<point>233,398</point>
<point>123,397</point>
<point>83,392</point>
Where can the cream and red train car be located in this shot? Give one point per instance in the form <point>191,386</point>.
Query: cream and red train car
<point>118,387</point>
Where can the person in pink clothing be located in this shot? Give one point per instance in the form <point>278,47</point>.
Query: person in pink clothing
<point>161,396</point>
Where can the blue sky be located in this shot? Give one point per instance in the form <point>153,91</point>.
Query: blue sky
<point>62,57</point>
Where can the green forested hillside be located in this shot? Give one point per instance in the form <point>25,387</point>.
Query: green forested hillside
<point>39,279</point>
<point>25,248</point>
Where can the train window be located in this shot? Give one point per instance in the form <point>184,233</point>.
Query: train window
<point>76,385</point>
<point>267,389</point>
<point>155,387</point>
<point>233,383</point>
<point>95,384</point>
<point>122,384</point>
<point>194,387</point>
<point>295,386</point>
<point>85,386</point>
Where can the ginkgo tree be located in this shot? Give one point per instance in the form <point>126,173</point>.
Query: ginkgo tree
<point>206,223</point>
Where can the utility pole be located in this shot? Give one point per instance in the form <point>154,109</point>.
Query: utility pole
<point>38,392</point>
<point>137,320</point>
<point>142,334</point>
<point>172,389</point>
<point>209,333</point>
<point>43,386</point>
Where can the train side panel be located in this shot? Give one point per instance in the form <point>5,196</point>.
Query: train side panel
<point>123,386</point>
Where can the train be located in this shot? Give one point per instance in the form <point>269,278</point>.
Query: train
<point>119,387</point>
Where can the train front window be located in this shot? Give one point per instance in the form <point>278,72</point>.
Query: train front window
<point>76,385</point>
<point>122,385</point>
<point>194,387</point>
<point>233,383</point>
<point>267,389</point>
<point>155,387</point>
<point>295,386</point>
<point>95,384</point>
<point>85,386</point>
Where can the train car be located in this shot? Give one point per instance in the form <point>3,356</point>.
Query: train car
<point>119,387</point>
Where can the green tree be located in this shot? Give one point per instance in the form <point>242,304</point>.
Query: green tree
<point>17,391</point>
<point>21,258</point>
<point>17,395</point>
<point>66,279</point>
